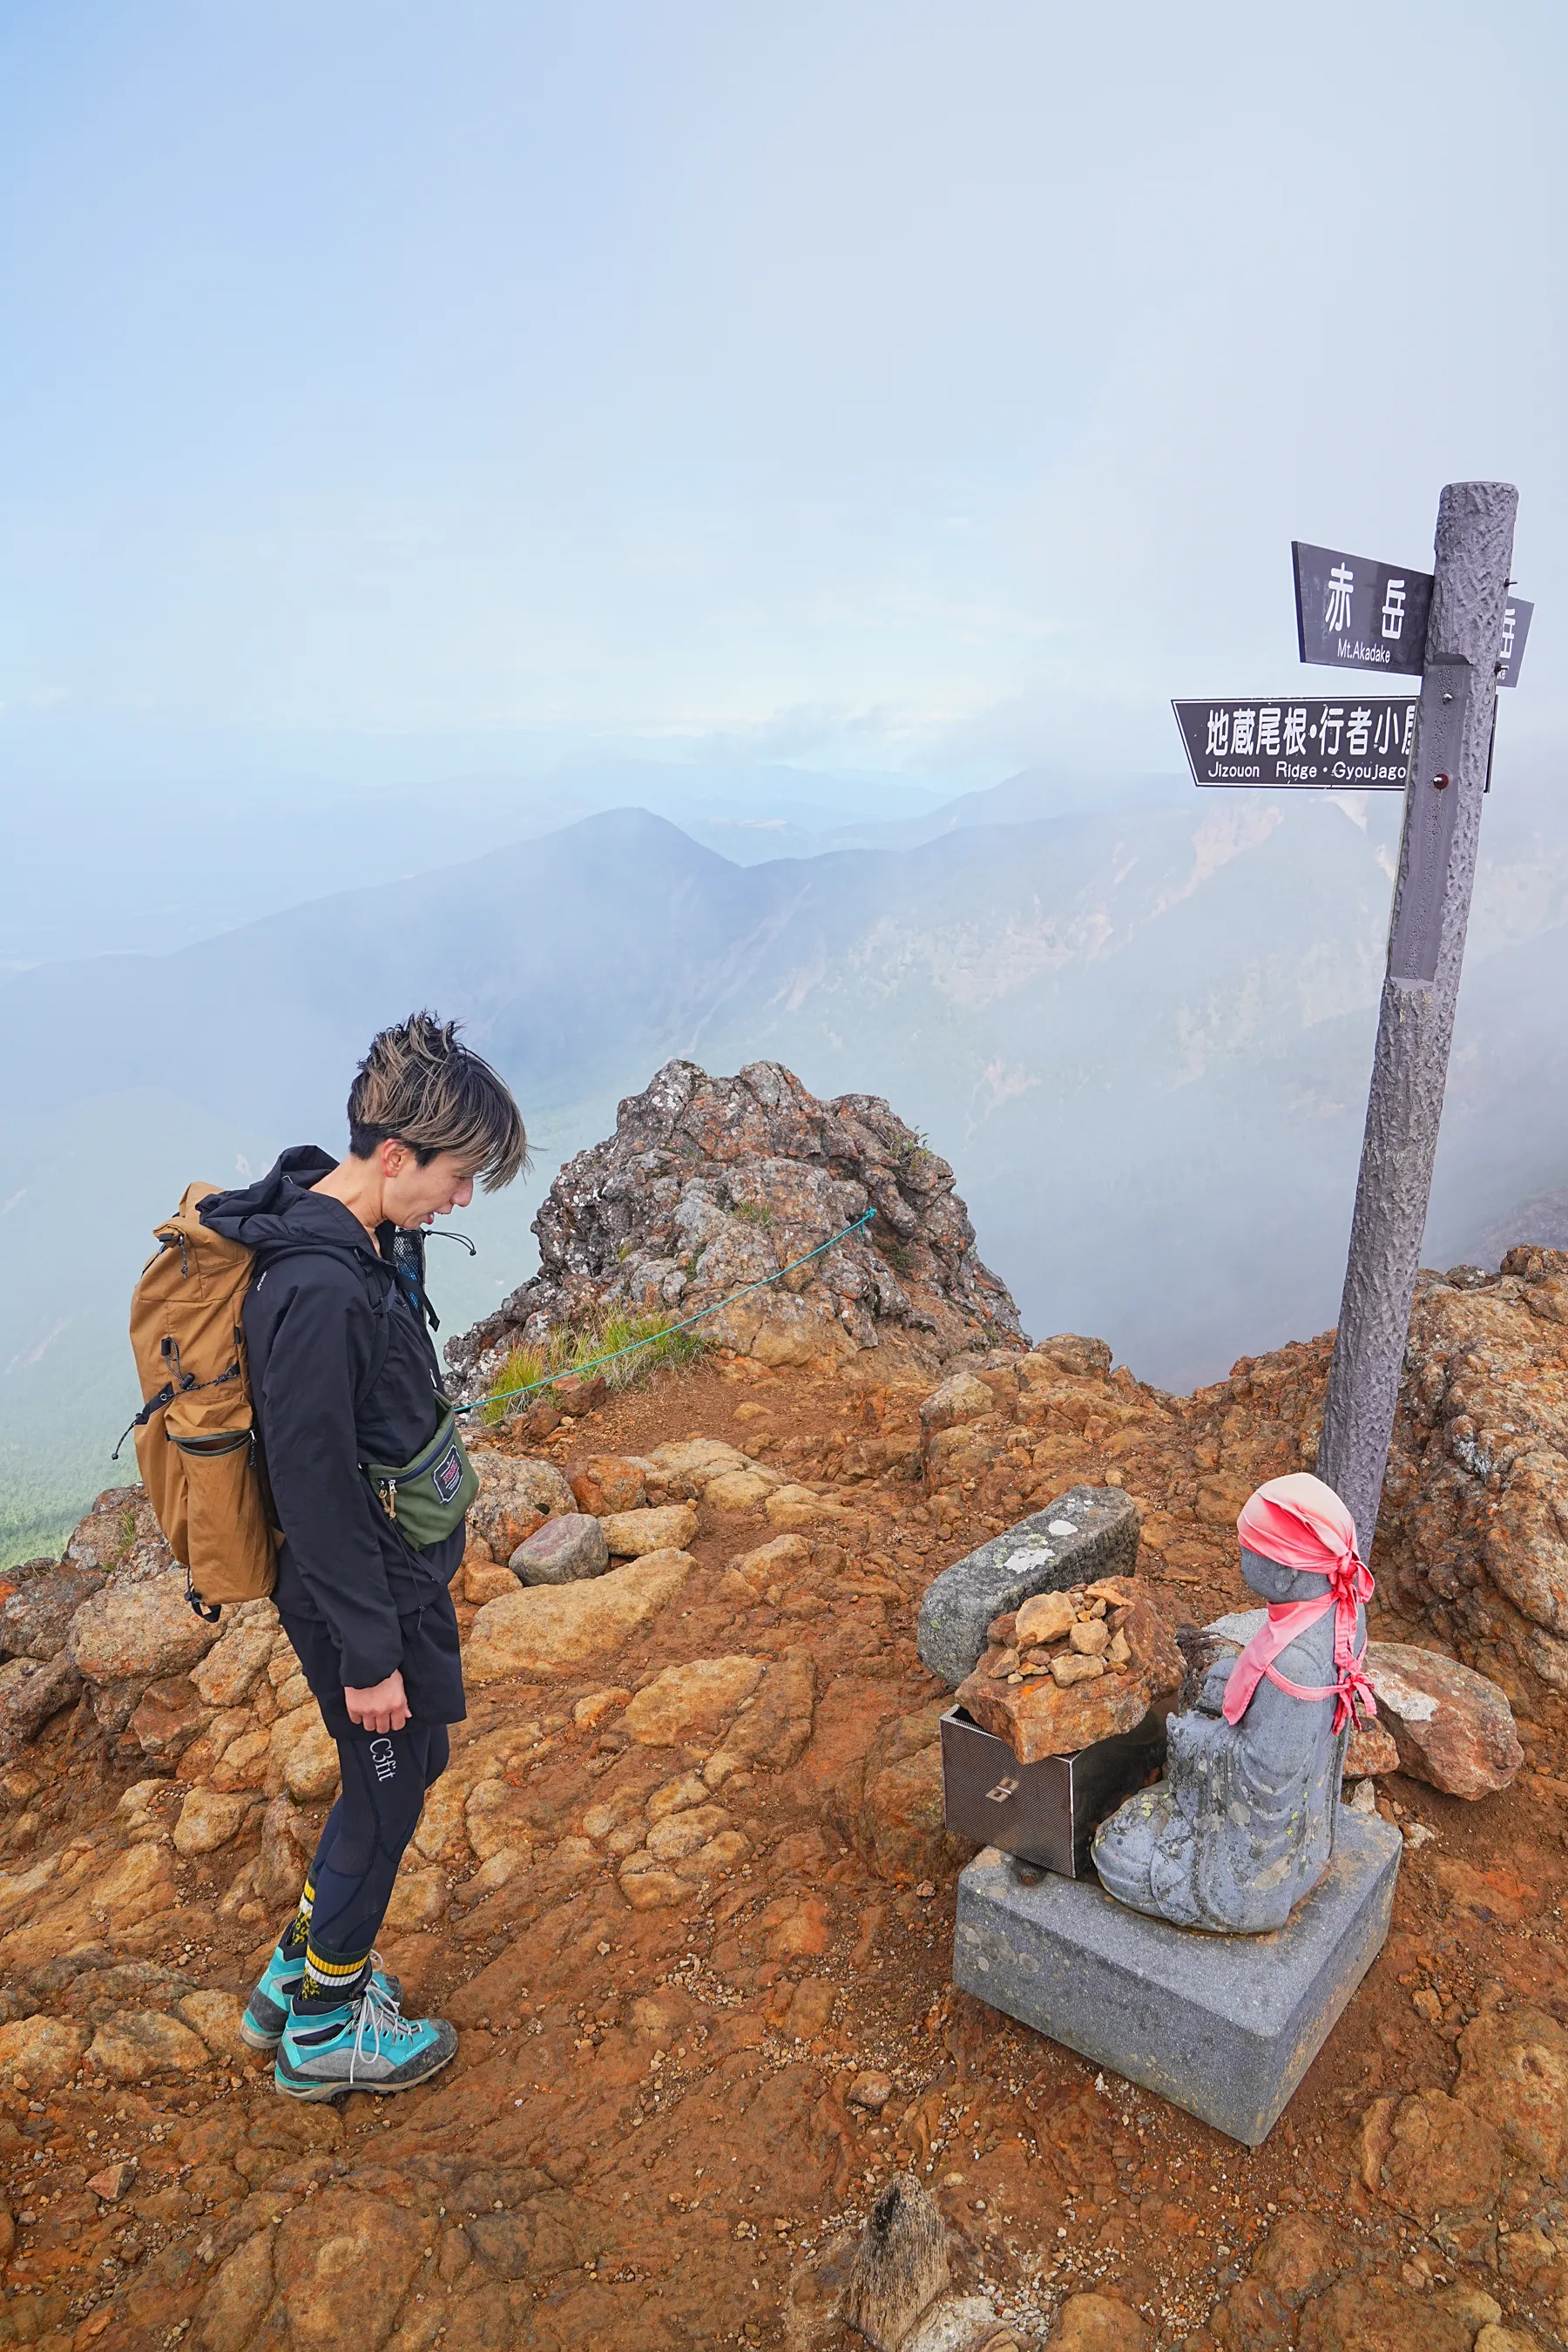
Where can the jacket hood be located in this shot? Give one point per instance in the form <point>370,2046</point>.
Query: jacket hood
<point>280,1210</point>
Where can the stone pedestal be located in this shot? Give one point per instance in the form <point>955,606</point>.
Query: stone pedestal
<point>1224,2026</point>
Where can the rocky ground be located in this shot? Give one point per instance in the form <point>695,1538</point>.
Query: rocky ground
<point>687,1893</point>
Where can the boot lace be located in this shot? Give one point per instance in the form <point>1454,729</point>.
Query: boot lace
<point>380,2027</point>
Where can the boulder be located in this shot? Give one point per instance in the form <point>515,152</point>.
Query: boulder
<point>1379,2314</point>
<point>579,1393</point>
<point>773,1727</point>
<point>563,1551</point>
<point>35,1617</point>
<point>740,1490</point>
<point>899,2268</point>
<point>31,1691</point>
<point>1369,1752</point>
<point>902,1824</point>
<point>778,1561</point>
<point>41,2052</point>
<point>700,1697</point>
<point>112,2182</point>
<point>288,1843</point>
<point>418,1897</point>
<point>679,1835</point>
<point>516,1493</point>
<point>168,1716</point>
<point>695,1460</point>
<point>119,1523</point>
<point>647,1886</point>
<point>92,1987</point>
<point>136,2042</point>
<point>137,1627</point>
<point>1453,1728</point>
<point>241,2290</point>
<point>799,1506</point>
<point>610,1482</point>
<point>482,1580</point>
<point>497,1817</point>
<point>311,1769</point>
<point>963,1396</point>
<point>231,1670</point>
<point>632,1535</point>
<point>208,1819</point>
<point>215,2017</point>
<point>553,1629</point>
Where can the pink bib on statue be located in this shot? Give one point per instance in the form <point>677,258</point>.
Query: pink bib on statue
<point>1301,1524</point>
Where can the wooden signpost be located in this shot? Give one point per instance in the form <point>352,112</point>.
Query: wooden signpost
<point>1460,629</point>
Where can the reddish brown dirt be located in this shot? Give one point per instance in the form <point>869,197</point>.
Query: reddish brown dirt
<point>592,2173</point>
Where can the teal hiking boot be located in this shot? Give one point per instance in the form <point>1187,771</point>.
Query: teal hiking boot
<point>363,2044</point>
<point>267,2011</point>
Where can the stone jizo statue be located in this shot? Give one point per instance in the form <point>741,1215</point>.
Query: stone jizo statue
<point>1243,1824</point>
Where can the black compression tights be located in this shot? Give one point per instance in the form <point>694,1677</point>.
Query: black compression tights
<point>386,1775</point>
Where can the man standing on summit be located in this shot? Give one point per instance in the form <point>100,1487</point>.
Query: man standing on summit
<point>369,1485</point>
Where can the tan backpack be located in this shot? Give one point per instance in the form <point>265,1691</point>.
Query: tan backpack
<point>196,1437</point>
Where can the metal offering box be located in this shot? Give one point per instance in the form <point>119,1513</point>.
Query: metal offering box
<point>1046,1813</point>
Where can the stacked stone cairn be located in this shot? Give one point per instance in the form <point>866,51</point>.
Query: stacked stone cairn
<point>1069,1669</point>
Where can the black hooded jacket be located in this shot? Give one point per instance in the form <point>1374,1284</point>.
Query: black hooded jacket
<point>343,1372</point>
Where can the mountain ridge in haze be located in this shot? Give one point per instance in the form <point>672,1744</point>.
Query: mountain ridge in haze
<point>1142,1036</point>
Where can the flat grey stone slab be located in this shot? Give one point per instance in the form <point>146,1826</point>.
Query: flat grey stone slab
<point>1224,2026</point>
<point>1239,1626</point>
<point>1089,1531</point>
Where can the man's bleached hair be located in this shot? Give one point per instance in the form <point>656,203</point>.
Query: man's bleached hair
<point>418,1084</point>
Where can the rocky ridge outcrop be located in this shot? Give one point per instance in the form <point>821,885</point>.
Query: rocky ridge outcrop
<point>709,1184</point>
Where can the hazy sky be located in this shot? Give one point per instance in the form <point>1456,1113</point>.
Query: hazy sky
<point>935,386</point>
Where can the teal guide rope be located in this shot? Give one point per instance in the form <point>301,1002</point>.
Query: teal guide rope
<point>575,1371</point>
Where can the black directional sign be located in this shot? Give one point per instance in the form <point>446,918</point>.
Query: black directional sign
<point>1353,613</point>
<point>1344,744</point>
<point>1517,616</point>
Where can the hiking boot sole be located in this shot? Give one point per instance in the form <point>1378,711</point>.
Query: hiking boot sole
<point>257,2037</point>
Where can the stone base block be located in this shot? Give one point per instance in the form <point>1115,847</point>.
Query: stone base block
<point>1224,2026</point>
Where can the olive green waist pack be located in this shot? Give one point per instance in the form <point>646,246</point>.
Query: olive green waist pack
<point>428,1496</point>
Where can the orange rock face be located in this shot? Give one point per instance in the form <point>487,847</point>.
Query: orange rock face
<point>1475,1525</point>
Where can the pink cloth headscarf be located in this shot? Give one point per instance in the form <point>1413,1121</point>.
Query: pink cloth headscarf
<point>1302,1524</point>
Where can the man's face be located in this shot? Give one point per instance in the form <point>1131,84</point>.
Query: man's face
<point>414,1195</point>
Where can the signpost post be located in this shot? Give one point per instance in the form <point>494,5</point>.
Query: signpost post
<point>1416,1021</point>
<point>1460,629</point>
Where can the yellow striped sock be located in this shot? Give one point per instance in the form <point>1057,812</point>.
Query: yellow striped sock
<point>324,1975</point>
